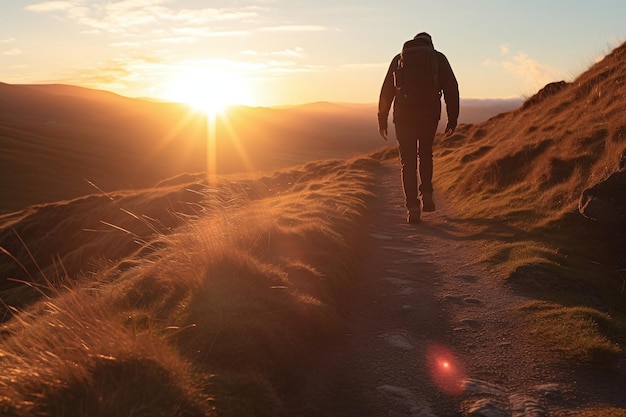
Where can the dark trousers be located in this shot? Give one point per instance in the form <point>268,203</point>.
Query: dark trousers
<point>415,143</point>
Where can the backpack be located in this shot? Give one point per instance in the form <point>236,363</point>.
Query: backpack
<point>416,78</point>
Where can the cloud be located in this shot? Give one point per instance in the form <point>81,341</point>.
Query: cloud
<point>50,6</point>
<point>297,52</point>
<point>14,51</point>
<point>504,49</point>
<point>193,33</point>
<point>8,40</point>
<point>115,74</point>
<point>531,72</point>
<point>370,65</point>
<point>150,18</point>
<point>294,28</point>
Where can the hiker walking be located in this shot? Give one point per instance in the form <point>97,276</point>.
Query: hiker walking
<point>414,83</point>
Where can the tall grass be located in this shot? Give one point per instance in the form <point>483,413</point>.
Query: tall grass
<point>212,318</point>
<point>515,182</point>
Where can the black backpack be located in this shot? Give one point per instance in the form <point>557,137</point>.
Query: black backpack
<point>416,78</point>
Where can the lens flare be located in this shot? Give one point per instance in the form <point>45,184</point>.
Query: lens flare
<point>445,370</point>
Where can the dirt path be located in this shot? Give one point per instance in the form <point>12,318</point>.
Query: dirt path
<point>421,303</point>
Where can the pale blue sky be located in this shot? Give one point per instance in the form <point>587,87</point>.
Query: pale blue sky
<point>294,51</point>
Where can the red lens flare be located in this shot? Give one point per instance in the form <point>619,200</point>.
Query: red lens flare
<point>445,370</point>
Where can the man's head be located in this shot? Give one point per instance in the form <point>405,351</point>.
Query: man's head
<point>422,38</point>
<point>423,35</point>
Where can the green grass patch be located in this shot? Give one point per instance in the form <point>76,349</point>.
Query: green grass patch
<point>580,333</point>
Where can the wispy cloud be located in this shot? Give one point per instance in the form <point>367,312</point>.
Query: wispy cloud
<point>293,53</point>
<point>7,40</point>
<point>150,18</point>
<point>533,73</point>
<point>51,6</point>
<point>365,66</point>
<point>203,32</point>
<point>295,28</point>
<point>14,51</point>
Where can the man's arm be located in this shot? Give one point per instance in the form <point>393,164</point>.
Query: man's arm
<point>450,89</point>
<point>387,94</point>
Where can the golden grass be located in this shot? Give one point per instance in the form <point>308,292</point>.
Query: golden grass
<point>604,412</point>
<point>515,182</point>
<point>212,316</point>
<point>580,334</point>
<point>199,298</point>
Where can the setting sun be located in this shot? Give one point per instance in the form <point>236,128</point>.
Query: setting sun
<point>208,90</point>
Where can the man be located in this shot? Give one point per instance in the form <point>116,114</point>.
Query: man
<point>414,83</point>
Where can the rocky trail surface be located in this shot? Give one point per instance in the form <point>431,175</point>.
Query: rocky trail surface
<point>430,332</point>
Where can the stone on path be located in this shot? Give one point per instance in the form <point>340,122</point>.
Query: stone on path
<point>406,399</point>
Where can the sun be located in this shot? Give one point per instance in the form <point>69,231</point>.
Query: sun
<point>208,90</point>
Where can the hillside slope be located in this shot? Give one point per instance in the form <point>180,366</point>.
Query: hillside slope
<point>202,298</point>
<point>59,142</point>
<point>566,138</point>
<point>543,188</point>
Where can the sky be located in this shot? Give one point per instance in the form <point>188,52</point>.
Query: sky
<point>278,52</point>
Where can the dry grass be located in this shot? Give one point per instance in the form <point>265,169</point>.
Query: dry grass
<point>212,315</point>
<point>517,179</point>
<point>578,333</point>
<point>519,176</point>
<point>604,412</point>
<point>199,298</point>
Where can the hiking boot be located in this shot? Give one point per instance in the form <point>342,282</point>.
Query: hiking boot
<point>428,204</point>
<point>413,215</point>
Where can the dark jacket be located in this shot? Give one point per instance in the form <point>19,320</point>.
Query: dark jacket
<point>447,84</point>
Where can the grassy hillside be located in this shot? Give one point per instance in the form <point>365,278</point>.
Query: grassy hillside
<point>202,298</point>
<point>528,168</point>
<point>518,180</point>
<point>59,142</point>
<point>206,296</point>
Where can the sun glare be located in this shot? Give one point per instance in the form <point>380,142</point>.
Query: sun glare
<point>208,90</point>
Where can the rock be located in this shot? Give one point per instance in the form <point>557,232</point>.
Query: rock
<point>406,291</point>
<point>487,408</point>
<point>523,406</point>
<point>400,341</point>
<point>550,391</point>
<point>398,395</point>
<point>406,399</point>
<point>421,412</point>
<point>548,90</point>
<point>478,387</point>
<point>470,322</point>
<point>468,278</point>
<point>398,281</point>
<point>605,202</point>
<point>454,298</point>
<point>534,276</point>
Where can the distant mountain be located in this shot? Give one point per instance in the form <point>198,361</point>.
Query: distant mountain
<point>63,141</point>
<point>478,110</point>
<point>55,140</point>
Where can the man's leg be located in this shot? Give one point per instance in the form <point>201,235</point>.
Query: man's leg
<point>426,134</point>
<point>407,146</point>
